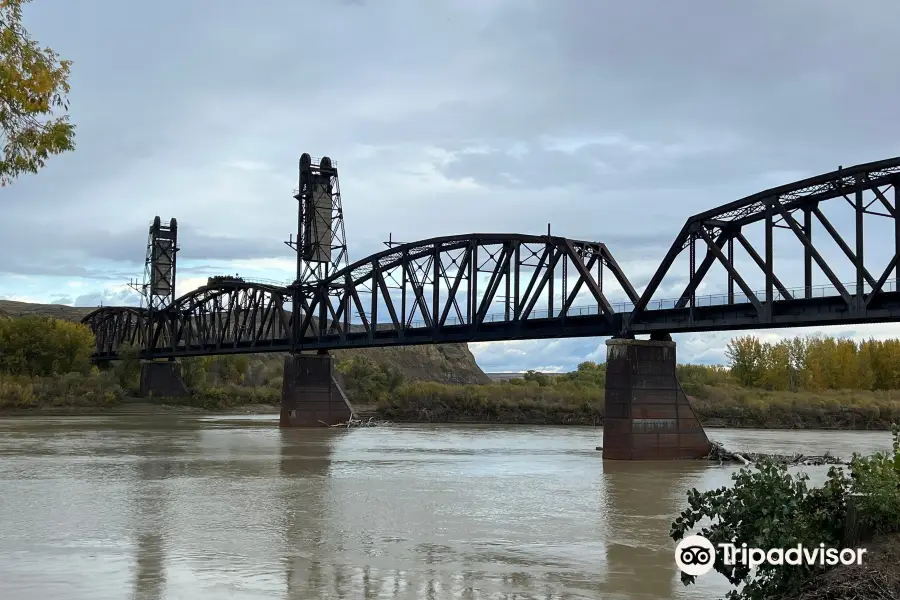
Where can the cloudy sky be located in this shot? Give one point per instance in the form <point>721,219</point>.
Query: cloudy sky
<point>614,121</point>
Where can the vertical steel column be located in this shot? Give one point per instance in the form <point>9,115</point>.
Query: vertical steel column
<point>730,277</point>
<point>770,259</point>
<point>551,272</point>
<point>896,184</point>
<point>600,276</point>
<point>807,255</point>
<point>693,268</point>
<point>403,261</point>
<point>507,271</point>
<point>435,289</point>
<point>516,273</point>
<point>473,285</point>
<point>373,309</point>
<point>860,246</point>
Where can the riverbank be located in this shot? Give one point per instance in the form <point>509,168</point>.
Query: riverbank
<point>138,407</point>
<point>877,577</point>
<point>574,402</point>
<point>844,419</point>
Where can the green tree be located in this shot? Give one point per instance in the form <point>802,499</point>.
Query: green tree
<point>747,357</point>
<point>41,346</point>
<point>539,378</point>
<point>33,91</point>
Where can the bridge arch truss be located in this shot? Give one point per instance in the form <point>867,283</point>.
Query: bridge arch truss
<point>115,328</point>
<point>812,252</point>
<point>475,287</point>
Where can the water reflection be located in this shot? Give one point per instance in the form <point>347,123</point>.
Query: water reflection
<point>641,499</point>
<point>150,519</point>
<point>304,463</point>
<point>570,527</point>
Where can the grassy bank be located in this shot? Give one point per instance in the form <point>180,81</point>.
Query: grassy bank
<point>526,403</point>
<point>815,383</point>
<point>572,399</point>
<point>724,406</point>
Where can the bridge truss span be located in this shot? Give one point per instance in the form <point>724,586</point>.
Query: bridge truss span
<point>475,287</point>
<point>226,316</point>
<point>115,328</point>
<point>819,251</point>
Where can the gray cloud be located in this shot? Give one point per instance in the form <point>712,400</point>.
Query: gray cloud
<point>71,250</point>
<point>121,297</point>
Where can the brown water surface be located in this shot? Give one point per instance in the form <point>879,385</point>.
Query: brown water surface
<point>153,508</point>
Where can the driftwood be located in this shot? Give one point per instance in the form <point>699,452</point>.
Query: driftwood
<point>718,453</point>
<point>371,422</point>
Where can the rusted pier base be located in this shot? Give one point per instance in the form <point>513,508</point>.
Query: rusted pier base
<point>162,379</point>
<point>647,415</point>
<point>310,394</point>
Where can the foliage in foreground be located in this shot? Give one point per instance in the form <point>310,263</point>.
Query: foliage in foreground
<point>769,507</point>
<point>33,89</point>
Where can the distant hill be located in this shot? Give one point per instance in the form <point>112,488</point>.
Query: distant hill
<point>59,311</point>
<point>446,363</point>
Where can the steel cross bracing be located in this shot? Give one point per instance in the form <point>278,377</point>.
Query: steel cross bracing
<point>487,287</point>
<point>116,328</point>
<point>444,289</point>
<point>869,190</point>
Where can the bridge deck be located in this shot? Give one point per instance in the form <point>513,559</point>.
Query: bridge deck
<point>803,312</point>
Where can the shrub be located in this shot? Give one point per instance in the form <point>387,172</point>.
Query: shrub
<point>42,346</point>
<point>768,507</point>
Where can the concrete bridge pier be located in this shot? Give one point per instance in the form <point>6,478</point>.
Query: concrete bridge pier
<point>162,379</point>
<point>311,395</point>
<point>647,414</point>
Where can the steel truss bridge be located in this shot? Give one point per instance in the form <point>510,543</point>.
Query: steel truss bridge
<point>489,287</point>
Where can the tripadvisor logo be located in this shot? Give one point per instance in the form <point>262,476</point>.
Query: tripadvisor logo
<point>696,555</point>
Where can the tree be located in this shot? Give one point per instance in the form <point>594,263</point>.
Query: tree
<point>33,90</point>
<point>41,347</point>
<point>747,358</point>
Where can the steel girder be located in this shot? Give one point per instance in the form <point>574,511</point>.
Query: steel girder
<point>449,288</point>
<point>794,208</point>
<point>115,328</point>
<point>222,317</point>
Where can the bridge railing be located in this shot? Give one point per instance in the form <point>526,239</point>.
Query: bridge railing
<point>819,291</point>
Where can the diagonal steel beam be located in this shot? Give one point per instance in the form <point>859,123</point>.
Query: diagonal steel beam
<point>839,240</point>
<point>711,245</point>
<point>454,288</point>
<point>531,283</point>
<point>877,288</point>
<point>798,231</point>
<point>556,255</point>
<point>584,274</point>
<point>619,274</point>
<point>570,299</point>
<point>691,288</point>
<point>762,265</point>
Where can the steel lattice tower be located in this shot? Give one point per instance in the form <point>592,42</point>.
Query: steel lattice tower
<point>157,290</point>
<point>321,243</point>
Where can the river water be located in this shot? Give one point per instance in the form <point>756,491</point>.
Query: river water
<point>198,508</point>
